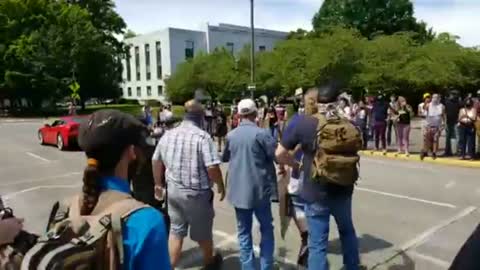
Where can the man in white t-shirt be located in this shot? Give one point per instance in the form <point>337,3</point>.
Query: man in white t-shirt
<point>166,114</point>
<point>434,124</point>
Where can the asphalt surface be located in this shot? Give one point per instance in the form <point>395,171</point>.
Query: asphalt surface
<point>408,215</point>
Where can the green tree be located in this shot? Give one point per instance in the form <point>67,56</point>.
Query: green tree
<point>46,45</point>
<point>371,17</point>
<point>129,34</point>
<point>215,73</point>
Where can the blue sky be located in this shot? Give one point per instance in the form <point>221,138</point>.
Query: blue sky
<point>461,17</point>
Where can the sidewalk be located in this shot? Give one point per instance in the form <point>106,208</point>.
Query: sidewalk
<point>416,144</point>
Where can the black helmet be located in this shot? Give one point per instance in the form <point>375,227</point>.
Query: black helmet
<point>329,92</point>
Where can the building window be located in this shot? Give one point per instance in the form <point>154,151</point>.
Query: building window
<point>147,61</point>
<point>129,91</point>
<point>262,48</point>
<point>137,62</point>
<point>139,91</point>
<point>160,90</point>
<point>158,47</point>
<point>230,47</point>
<point>189,49</point>
<point>149,91</point>
<point>129,69</point>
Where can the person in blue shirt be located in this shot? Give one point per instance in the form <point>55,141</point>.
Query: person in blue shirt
<point>250,151</point>
<point>296,203</point>
<point>109,139</point>
<point>322,198</point>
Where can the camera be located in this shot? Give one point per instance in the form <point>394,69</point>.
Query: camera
<point>24,240</point>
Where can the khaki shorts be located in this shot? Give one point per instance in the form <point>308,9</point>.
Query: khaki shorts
<point>191,211</point>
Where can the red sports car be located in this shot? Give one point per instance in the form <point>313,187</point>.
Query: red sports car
<point>62,132</point>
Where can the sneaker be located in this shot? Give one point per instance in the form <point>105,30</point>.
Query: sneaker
<point>422,156</point>
<point>216,264</point>
<point>407,154</point>
<point>434,156</point>
<point>384,152</point>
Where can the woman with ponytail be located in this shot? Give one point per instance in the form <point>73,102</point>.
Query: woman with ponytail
<point>109,139</point>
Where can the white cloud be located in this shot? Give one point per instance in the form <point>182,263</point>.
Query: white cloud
<point>456,16</point>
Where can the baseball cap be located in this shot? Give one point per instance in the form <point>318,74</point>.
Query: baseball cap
<point>246,106</point>
<point>106,134</point>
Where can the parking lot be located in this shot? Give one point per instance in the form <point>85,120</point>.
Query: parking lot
<point>408,215</point>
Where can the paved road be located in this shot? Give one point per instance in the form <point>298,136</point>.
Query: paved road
<point>408,215</point>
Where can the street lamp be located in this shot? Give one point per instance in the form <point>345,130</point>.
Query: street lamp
<point>251,87</point>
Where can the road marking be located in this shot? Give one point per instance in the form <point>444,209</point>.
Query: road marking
<point>228,239</point>
<point>423,237</point>
<point>406,197</point>
<point>438,262</point>
<point>256,248</point>
<point>38,157</point>
<point>426,235</point>
<point>34,180</point>
<point>17,193</point>
<point>450,184</point>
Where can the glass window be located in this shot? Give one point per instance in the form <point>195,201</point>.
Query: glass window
<point>149,91</point>
<point>129,69</point>
<point>158,47</point>
<point>160,90</point>
<point>189,49</point>
<point>230,47</point>
<point>147,61</point>
<point>262,48</point>
<point>129,91</point>
<point>78,120</point>
<point>137,62</point>
<point>139,91</point>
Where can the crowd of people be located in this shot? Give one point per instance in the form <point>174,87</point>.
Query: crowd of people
<point>263,151</point>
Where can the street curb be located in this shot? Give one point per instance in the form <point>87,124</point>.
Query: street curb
<point>416,158</point>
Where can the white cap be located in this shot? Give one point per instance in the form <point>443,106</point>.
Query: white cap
<point>246,106</point>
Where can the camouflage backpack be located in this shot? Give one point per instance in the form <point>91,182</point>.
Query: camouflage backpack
<point>75,242</point>
<point>338,143</point>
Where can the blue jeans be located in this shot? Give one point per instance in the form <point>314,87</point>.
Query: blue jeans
<point>263,213</point>
<point>318,219</point>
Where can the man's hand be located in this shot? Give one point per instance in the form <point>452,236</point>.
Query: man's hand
<point>281,170</point>
<point>9,229</point>
<point>221,192</point>
<point>159,194</point>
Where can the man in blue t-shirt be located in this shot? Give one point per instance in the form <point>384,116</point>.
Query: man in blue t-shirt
<point>296,205</point>
<point>322,199</point>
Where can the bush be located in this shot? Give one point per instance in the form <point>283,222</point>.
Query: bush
<point>128,101</point>
<point>153,103</point>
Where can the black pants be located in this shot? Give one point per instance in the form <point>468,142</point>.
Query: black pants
<point>466,136</point>
<point>389,132</point>
<point>451,133</point>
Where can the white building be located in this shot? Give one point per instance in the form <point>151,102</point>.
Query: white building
<point>155,56</point>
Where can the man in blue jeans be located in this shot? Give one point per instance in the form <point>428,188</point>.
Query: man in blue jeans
<point>251,151</point>
<point>322,199</point>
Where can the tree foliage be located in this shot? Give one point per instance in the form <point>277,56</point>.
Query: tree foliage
<point>388,63</point>
<point>371,17</point>
<point>46,45</point>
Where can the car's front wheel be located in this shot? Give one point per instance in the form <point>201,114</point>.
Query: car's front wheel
<point>40,138</point>
<point>60,142</point>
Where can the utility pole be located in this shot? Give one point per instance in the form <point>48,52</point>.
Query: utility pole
<point>251,87</point>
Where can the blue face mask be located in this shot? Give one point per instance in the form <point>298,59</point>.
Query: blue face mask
<point>195,117</point>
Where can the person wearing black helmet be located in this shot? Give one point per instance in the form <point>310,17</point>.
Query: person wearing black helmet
<point>110,139</point>
<point>322,198</point>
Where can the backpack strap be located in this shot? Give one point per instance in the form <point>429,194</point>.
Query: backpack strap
<point>112,209</point>
<point>118,206</point>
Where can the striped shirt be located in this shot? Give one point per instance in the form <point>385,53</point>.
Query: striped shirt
<point>187,151</point>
